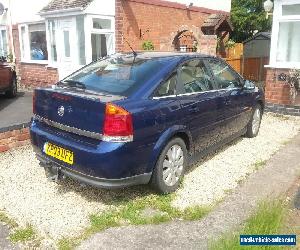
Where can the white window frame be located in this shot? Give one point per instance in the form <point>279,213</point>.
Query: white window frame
<point>89,30</point>
<point>277,19</point>
<point>1,40</point>
<point>51,62</point>
<point>25,55</point>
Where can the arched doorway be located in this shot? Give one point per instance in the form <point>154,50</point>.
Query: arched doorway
<point>185,41</point>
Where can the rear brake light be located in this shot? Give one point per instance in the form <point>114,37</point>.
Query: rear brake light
<point>118,125</point>
<point>33,102</point>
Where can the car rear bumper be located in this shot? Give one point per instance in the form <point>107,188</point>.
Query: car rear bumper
<point>92,180</point>
<point>94,160</point>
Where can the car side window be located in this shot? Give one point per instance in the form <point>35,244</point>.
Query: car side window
<point>225,77</point>
<point>195,77</point>
<point>167,87</point>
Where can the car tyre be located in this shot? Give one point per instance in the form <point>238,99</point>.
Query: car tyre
<point>255,121</point>
<point>170,167</point>
<point>12,92</point>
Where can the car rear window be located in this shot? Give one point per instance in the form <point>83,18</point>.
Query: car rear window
<point>117,75</point>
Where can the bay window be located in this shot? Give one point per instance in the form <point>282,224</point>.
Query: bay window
<point>33,42</point>
<point>285,51</point>
<point>288,49</point>
<point>68,42</point>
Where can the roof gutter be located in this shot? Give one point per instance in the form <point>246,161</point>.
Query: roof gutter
<point>54,12</point>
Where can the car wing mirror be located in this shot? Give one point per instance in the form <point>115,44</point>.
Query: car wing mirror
<point>249,85</point>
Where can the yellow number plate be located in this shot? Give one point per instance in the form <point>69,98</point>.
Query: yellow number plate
<point>59,153</point>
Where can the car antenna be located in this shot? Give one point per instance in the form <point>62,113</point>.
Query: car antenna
<point>133,51</point>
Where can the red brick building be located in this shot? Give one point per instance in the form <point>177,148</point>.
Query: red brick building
<point>70,34</point>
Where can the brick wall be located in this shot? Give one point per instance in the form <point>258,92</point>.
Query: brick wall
<point>34,75</point>
<point>12,139</point>
<point>278,95</point>
<point>277,92</point>
<point>160,22</point>
<point>31,75</point>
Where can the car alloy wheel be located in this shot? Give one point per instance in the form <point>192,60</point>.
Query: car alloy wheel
<point>256,121</point>
<point>170,166</point>
<point>173,165</point>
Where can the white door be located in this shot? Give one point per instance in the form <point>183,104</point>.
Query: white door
<point>67,47</point>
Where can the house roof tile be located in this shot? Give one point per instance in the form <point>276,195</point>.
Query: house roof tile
<point>214,21</point>
<point>66,4</point>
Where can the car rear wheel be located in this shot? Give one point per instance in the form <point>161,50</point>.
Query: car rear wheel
<point>254,124</point>
<point>12,92</point>
<point>170,167</point>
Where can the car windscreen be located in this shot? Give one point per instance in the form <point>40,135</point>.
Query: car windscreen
<point>117,75</point>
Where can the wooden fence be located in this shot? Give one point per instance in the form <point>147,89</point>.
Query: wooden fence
<point>250,68</point>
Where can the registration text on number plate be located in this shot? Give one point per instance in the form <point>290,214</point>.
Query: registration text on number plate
<point>59,153</point>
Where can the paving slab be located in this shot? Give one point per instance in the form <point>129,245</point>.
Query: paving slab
<point>274,179</point>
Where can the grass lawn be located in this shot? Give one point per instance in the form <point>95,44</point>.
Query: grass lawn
<point>268,219</point>
<point>134,212</point>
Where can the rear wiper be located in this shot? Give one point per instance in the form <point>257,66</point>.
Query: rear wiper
<point>72,84</point>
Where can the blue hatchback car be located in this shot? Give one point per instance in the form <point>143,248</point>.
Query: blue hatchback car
<point>141,118</point>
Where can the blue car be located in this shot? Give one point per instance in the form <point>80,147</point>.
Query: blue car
<point>141,118</point>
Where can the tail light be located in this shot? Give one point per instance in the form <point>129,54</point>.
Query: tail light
<point>118,125</point>
<point>33,102</point>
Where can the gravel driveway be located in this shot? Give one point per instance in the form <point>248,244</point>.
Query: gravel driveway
<point>61,210</point>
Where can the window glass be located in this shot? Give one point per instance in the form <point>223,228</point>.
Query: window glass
<point>81,39</point>
<point>67,43</point>
<point>99,23</point>
<point>293,9</point>
<point>3,51</point>
<point>37,41</point>
<point>23,41</point>
<point>52,34</point>
<point>118,75</point>
<point>288,49</point>
<point>168,87</point>
<point>101,45</point>
<point>224,76</point>
<point>195,77</point>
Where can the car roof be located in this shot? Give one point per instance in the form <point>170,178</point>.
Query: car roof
<point>161,54</point>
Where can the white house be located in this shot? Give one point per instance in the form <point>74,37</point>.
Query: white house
<point>284,57</point>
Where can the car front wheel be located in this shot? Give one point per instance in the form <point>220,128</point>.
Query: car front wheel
<point>254,124</point>
<point>170,167</point>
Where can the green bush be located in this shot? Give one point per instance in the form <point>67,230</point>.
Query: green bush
<point>148,45</point>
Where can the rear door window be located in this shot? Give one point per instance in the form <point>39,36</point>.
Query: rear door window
<point>225,77</point>
<point>195,77</point>
<point>167,87</point>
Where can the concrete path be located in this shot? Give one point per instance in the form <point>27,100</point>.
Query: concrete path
<point>15,111</point>
<point>270,182</point>
<point>4,242</point>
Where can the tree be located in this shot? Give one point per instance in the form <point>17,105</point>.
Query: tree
<point>248,16</point>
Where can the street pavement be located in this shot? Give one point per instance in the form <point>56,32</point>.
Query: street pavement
<point>279,174</point>
<point>15,111</point>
